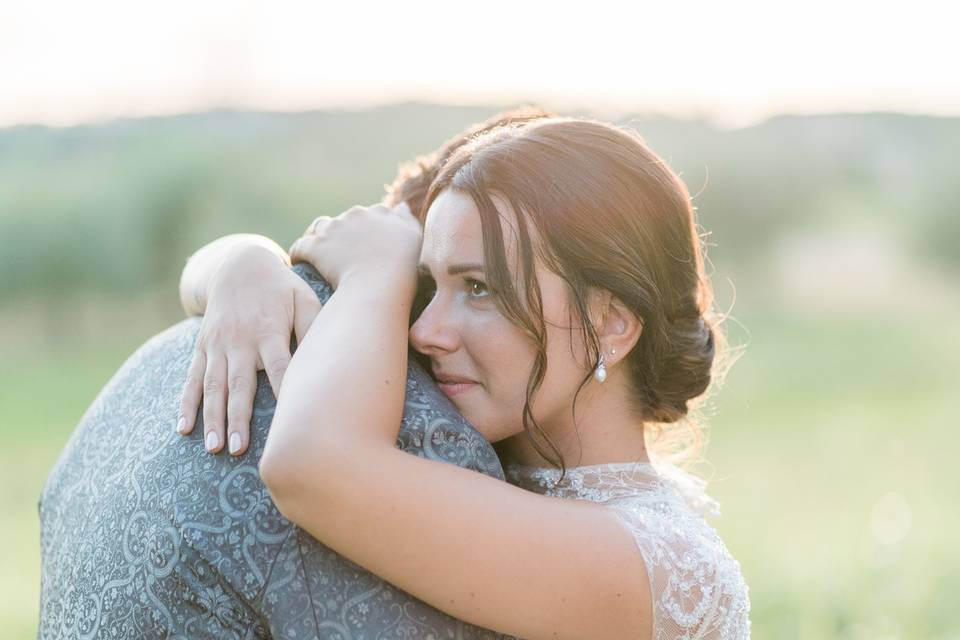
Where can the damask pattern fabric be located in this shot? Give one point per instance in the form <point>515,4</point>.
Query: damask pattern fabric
<point>697,586</point>
<point>144,535</point>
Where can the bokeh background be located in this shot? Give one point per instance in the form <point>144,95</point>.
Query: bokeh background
<point>819,143</point>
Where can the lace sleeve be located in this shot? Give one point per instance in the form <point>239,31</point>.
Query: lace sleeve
<point>697,587</point>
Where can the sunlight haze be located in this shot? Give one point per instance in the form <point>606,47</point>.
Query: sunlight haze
<point>733,63</point>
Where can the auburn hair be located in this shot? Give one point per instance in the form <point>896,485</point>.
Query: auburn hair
<point>607,214</point>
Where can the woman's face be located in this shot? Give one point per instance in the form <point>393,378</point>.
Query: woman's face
<point>466,337</point>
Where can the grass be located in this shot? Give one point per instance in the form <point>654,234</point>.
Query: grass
<point>42,396</point>
<point>836,478</point>
<point>832,451</point>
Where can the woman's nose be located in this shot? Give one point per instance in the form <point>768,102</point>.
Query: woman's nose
<point>434,330</point>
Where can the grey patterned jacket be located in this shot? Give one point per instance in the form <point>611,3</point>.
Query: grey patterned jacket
<point>144,535</point>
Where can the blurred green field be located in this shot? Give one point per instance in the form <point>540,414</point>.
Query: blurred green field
<point>831,454</point>
<point>832,444</point>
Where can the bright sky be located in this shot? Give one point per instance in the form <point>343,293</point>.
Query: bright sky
<point>733,61</point>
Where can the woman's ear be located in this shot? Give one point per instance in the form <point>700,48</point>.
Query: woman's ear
<point>619,329</point>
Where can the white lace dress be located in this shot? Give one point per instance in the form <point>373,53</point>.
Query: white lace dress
<point>697,586</point>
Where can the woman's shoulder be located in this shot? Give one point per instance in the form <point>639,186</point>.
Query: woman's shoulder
<point>696,583</point>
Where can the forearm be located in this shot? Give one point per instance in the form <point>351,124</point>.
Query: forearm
<point>202,266</point>
<point>342,394</point>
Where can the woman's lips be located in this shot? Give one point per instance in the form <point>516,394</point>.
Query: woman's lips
<point>455,388</point>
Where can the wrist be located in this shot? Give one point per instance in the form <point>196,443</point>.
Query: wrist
<point>201,269</point>
<point>256,253</point>
<point>257,244</point>
<point>244,263</point>
<point>398,283</point>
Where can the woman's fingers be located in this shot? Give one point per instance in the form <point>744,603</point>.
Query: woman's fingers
<point>316,224</point>
<point>192,393</point>
<point>306,306</point>
<point>300,249</point>
<point>275,357</point>
<point>241,388</point>
<point>214,401</point>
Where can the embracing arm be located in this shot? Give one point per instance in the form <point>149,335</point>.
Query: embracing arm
<point>472,546</point>
<point>201,267</point>
<point>374,307</point>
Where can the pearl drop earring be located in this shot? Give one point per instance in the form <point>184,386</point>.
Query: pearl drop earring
<point>600,373</point>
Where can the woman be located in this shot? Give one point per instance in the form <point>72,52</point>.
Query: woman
<point>566,313</point>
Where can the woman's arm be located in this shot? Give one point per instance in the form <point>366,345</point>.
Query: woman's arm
<point>369,256</point>
<point>475,547</point>
<point>472,546</point>
<point>375,307</point>
<point>201,267</point>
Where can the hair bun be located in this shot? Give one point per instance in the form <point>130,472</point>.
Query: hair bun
<point>682,372</point>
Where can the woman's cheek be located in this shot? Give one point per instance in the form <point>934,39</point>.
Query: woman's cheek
<point>505,356</point>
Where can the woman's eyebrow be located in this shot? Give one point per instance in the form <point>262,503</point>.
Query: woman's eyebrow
<point>454,269</point>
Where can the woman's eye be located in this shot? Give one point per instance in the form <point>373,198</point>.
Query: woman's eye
<point>426,288</point>
<point>477,288</point>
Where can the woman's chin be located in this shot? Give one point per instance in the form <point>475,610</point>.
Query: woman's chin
<point>492,434</point>
<point>476,422</point>
<point>466,406</point>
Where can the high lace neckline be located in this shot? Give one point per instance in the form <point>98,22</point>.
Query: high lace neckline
<point>615,481</point>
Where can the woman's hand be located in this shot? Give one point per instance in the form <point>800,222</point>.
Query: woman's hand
<point>255,303</point>
<point>378,238</point>
<point>203,265</point>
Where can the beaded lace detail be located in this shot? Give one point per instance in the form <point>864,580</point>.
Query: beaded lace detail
<point>697,586</point>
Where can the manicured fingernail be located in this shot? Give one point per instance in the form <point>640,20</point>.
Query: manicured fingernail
<point>234,442</point>
<point>213,441</point>
<point>182,425</point>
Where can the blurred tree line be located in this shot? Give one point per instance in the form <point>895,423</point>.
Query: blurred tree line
<point>116,208</point>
